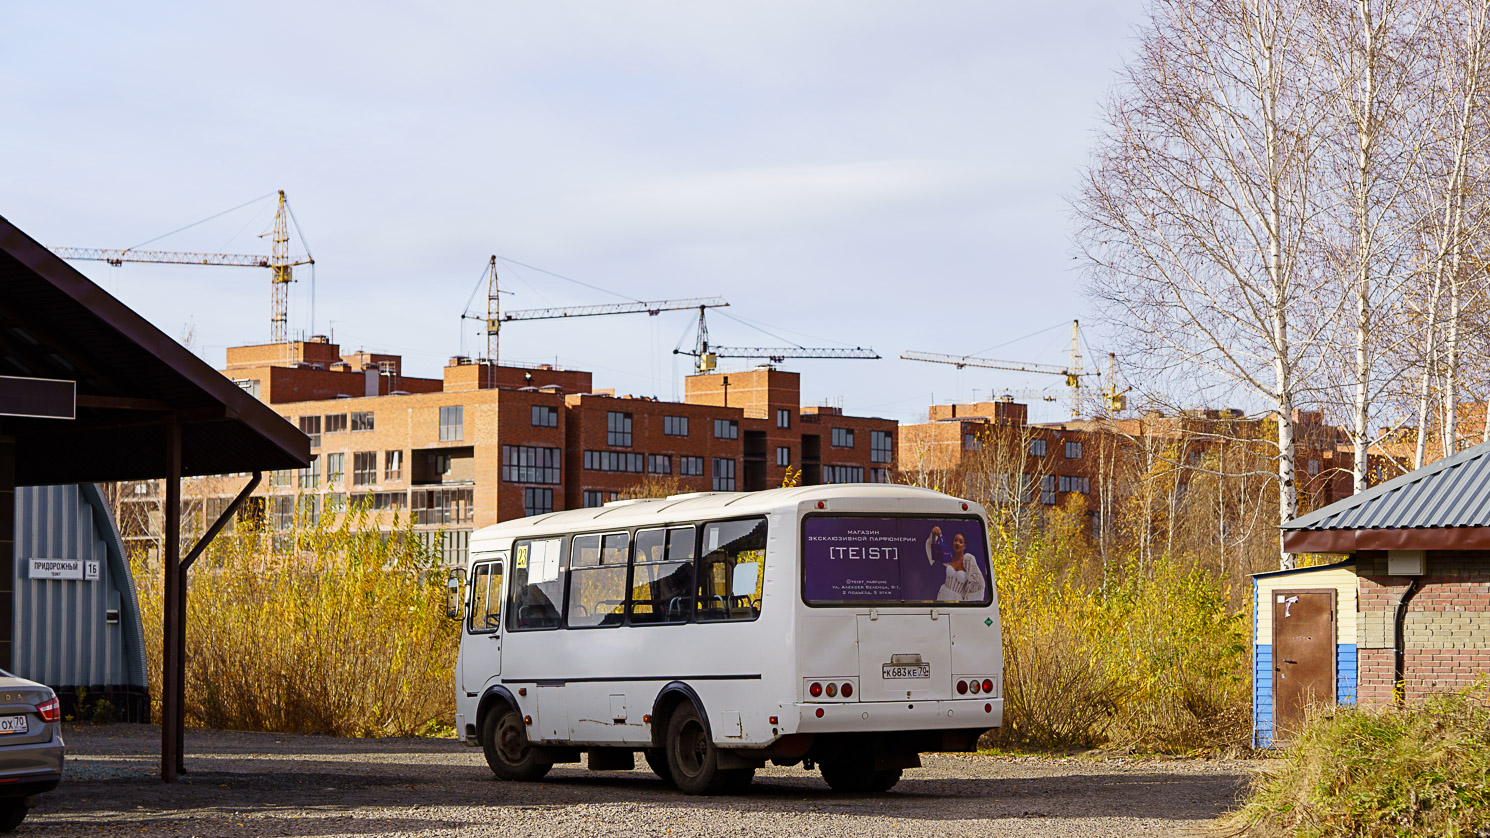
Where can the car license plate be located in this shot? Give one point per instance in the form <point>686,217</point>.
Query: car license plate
<point>12,724</point>
<point>915,670</point>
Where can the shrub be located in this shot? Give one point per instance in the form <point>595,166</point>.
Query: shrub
<point>332,629</point>
<point>1383,772</point>
<point>1155,659</point>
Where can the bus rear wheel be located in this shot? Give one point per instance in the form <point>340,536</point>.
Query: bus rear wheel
<point>692,759</point>
<point>858,776</point>
<point>504,740</point>
<point>657,761</point>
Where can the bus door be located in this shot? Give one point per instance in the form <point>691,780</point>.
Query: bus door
<point>481,642</point>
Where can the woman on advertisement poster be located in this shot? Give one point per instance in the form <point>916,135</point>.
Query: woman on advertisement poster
<point>964,582</point>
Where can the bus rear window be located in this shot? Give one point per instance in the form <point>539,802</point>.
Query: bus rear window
<point>894,561</point>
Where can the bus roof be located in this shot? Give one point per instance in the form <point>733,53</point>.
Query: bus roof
<point>698,505</point>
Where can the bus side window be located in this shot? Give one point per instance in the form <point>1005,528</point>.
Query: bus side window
<point>536,592</point>
<point>486,598</point>
<point>662,576</point>
<point>597,579</point>
<point>731,574</point>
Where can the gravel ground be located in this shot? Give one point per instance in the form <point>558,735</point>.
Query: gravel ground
<point>251,784</point>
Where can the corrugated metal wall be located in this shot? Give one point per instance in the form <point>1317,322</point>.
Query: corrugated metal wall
<point>62,635</point>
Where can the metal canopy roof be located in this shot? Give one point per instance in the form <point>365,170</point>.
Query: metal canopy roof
<point>131,380</point>
<point>1453,492</point>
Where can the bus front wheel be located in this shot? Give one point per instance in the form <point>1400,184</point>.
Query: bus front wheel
<point>692,759</point>
<point>858,776</point>
<point>504,740</point>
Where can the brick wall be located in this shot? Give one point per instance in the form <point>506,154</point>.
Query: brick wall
<point>1447,626</point>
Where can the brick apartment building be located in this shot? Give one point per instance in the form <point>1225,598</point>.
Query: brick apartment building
<point>487,443</point>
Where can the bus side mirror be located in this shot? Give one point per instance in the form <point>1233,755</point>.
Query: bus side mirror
<point>453,599</point>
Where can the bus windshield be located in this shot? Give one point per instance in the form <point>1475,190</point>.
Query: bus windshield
<point>894,561</point>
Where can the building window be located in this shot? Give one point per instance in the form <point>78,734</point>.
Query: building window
<point>1075,484</point>
<point>311,427</point>
<point>1073,450</point>
<point>336,469</point>
<point>442,506</point>
<point>1313,468</point>
<point>595,497</point>
<point>1037,448</point>
<point>691,466</point>
<point>625,461</point>
<point>281,477</point>
<point>452,423</point>
<point>530,464</point>
<point>537,501</point>
<point>843,474</point>
<point>726,429</point>
<point>442,463</point>
<point>880,446</point>
<point>618,429</point>
<point>335,502</point>
<point>783,456</point>
<point>545,416</point>
<point>843,438</point>
<point>249,385</point>
<point>364,467</point>
<point>724,474</point>
<point>659,464</point>
<point>783,418</point>
<point>362,421</point>
<point>310,475</point>
<point>879,475</point>
<point>971,442</point>
<point>1047,489</point>
<point>675,425</point>
<point>336,423</point>
<point>393,465</point>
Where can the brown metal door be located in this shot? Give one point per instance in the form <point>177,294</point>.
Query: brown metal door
<point>1303,655</point>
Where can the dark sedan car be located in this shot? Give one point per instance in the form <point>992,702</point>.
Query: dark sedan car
<point>30,746</point>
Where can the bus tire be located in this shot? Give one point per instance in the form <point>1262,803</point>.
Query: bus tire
<point>692,759</point>
<point>657,761</point>
<point>504,740</point>
<point>858,776</point>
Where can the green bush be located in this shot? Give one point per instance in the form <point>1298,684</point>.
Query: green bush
<point>1424,770</point>
<point>336,629</point>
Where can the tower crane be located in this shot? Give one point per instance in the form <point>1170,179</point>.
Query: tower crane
<point>495,317</point>
<point>707,358</point>
<point>1073,373</point>
<point>279,262</point>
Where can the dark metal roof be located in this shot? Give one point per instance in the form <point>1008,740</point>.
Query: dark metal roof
<point>131,380</point>
<point>1453,492</point>
<point>1311,569</point>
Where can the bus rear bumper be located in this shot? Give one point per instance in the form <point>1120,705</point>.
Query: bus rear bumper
<point>851,717</point>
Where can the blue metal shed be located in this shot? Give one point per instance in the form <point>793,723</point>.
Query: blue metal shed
<point>1273,589</point>
<point>77,622</point>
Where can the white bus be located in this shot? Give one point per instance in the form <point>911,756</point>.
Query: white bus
<point>847,627</point>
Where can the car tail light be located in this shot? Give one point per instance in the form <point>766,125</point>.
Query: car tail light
<point>848,690</point>
<point>832,689</point>
<point>50,710</point>
<point>987,685</point>
<point>975,687</point>
<point>962,688</point>
<point>815,690</point>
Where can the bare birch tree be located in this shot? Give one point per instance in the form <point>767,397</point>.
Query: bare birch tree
<point>1195,217</point>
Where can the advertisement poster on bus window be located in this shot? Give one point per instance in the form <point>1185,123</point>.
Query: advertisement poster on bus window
<point>894,560</point>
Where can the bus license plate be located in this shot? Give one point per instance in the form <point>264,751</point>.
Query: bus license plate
<point>12,724</point>
<point>915,670</point>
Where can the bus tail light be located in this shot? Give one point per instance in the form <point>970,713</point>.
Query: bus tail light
<point>50,710</point>
<point>772,720</point>
<point>832,689</point>
<point>975,687</point>
<point>847,691</point>
<point>987,685</point>
<point>962,688</point>
<point>815,690</point>
<point>819,712</point>
<point>988,708</point>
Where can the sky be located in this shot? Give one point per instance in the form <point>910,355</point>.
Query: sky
<point>890,175</point>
